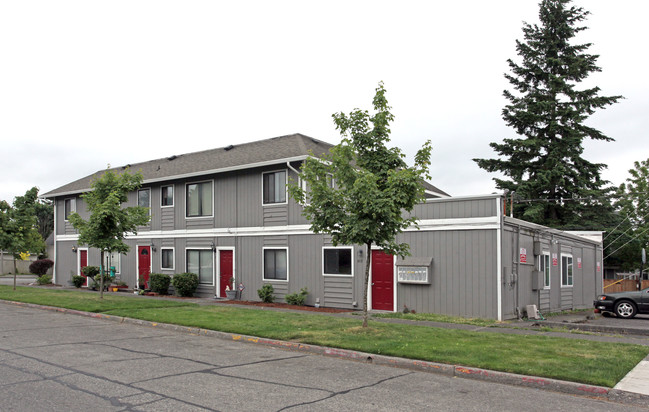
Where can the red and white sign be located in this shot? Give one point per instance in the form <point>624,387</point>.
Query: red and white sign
<point>555,260</point>
<point>599,267</point>
<point>578,263</point>
<point>523,256</point>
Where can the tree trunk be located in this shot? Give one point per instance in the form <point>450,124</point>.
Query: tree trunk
<point>102,270</point>
<point>368,261</point>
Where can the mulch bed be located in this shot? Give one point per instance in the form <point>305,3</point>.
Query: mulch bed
<point>286,306</point>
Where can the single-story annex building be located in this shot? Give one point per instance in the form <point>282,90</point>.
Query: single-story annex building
<point>225,213</point>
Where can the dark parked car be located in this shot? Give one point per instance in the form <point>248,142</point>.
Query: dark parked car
<point>623,304</point>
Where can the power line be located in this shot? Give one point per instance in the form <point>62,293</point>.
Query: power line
<point>630,240</point>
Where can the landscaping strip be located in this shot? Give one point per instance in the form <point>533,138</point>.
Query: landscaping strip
<point>577,360</point>
<point>535,382</point>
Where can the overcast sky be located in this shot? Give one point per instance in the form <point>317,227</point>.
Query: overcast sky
<point>84,84</point>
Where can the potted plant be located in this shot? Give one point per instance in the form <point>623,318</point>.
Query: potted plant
<point>230,289</point>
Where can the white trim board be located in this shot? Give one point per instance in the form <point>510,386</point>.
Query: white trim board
<point>485,223</point>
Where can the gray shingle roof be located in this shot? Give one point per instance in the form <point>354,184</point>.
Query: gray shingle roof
<point>214,160</point>
<point>229,157</point>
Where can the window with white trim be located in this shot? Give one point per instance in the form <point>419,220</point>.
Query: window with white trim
<point>113,259</point>
<point>274,187</point>
<point>69,207</point>
<point>199,199</point>
<point>337,261</point>
<point>201,262</point>
<point>144,199</point>
<point>544,268</point>
<point>275,263</point>
<point>566,270</point>
<point>167,258</point>
<point>167,196</point>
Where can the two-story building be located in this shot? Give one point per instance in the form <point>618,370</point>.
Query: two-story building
<point>225,213</point>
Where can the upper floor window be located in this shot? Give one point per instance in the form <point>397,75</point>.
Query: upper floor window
<point>144,198</point>
<point>70,206</point>
<point>274,187</point>
<point>199,199</point>
<point>566,270</point>
<point>167,196</point>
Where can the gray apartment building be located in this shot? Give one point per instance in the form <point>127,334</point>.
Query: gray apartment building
<point>225,213</point>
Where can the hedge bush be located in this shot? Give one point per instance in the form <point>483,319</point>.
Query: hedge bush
<point>78,281</point>
<point>185,284</point>
<point>159,283</point>
<point>96,282</point>
<point>297,298</point>
<point>266,293</point>
<point>40,267</point>
<point>44,280</point>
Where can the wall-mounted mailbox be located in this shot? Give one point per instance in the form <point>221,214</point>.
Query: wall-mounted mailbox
<point>415,270</point>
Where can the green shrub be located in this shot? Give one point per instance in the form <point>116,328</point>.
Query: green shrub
<point>90,271</point>
<point>78,281</point>
<point>185,284</point>
<point>159,283</point>
<point>40,267</point>
<point>266,293</point>
<point>297,298</point>
<point>96,282</point>
<point>44,280</point>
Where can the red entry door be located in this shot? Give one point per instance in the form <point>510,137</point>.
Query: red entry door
<point>382,281</point>
<point>83,262</point>
<point>143,265</point>
<point>225,264</point>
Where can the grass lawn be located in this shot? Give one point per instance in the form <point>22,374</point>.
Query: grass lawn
<point>434,317</point>
<point>597,363</point>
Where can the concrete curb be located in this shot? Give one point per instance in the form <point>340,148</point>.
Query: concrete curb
<point>554,385</point>
<point>597,328</point>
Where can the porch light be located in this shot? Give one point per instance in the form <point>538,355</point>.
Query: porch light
<point>74,249</point>
<point>152,247</point>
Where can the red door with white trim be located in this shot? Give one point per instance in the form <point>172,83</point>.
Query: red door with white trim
<point>83,262</point>
<point>144,265</point>
<point>226,266</point>
<point>382,281</point>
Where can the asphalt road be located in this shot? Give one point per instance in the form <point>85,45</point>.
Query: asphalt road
<point>52,361</point>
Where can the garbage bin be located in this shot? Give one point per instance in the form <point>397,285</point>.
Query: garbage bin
<point>112,271</point>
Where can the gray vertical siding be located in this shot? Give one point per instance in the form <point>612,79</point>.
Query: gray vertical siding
<point>463,273</point>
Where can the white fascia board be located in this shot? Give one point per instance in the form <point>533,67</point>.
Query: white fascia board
<point>442,195</point>
<point>467,197</point>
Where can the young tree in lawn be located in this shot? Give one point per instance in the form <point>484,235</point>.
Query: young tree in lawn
<point>18,233</point>
<point>109,222</point>
<point>544,166</point>
<point>359,193</point>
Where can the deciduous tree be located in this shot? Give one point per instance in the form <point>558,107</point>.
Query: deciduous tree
<point>109,222</point>
<point>359,192</point>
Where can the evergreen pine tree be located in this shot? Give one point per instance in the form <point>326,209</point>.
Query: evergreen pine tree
<point>553,184</point>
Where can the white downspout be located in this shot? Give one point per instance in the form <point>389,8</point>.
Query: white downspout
<point>499,268</point>
<point>56,258</point>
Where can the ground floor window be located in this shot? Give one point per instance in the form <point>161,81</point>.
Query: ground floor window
<point>544,268</point>
<point>275,263</point>
<point>167,256</point>
<point>200,261</point>
<point>113,260</point>
<point>337,261</point>
<point>566,270</point>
